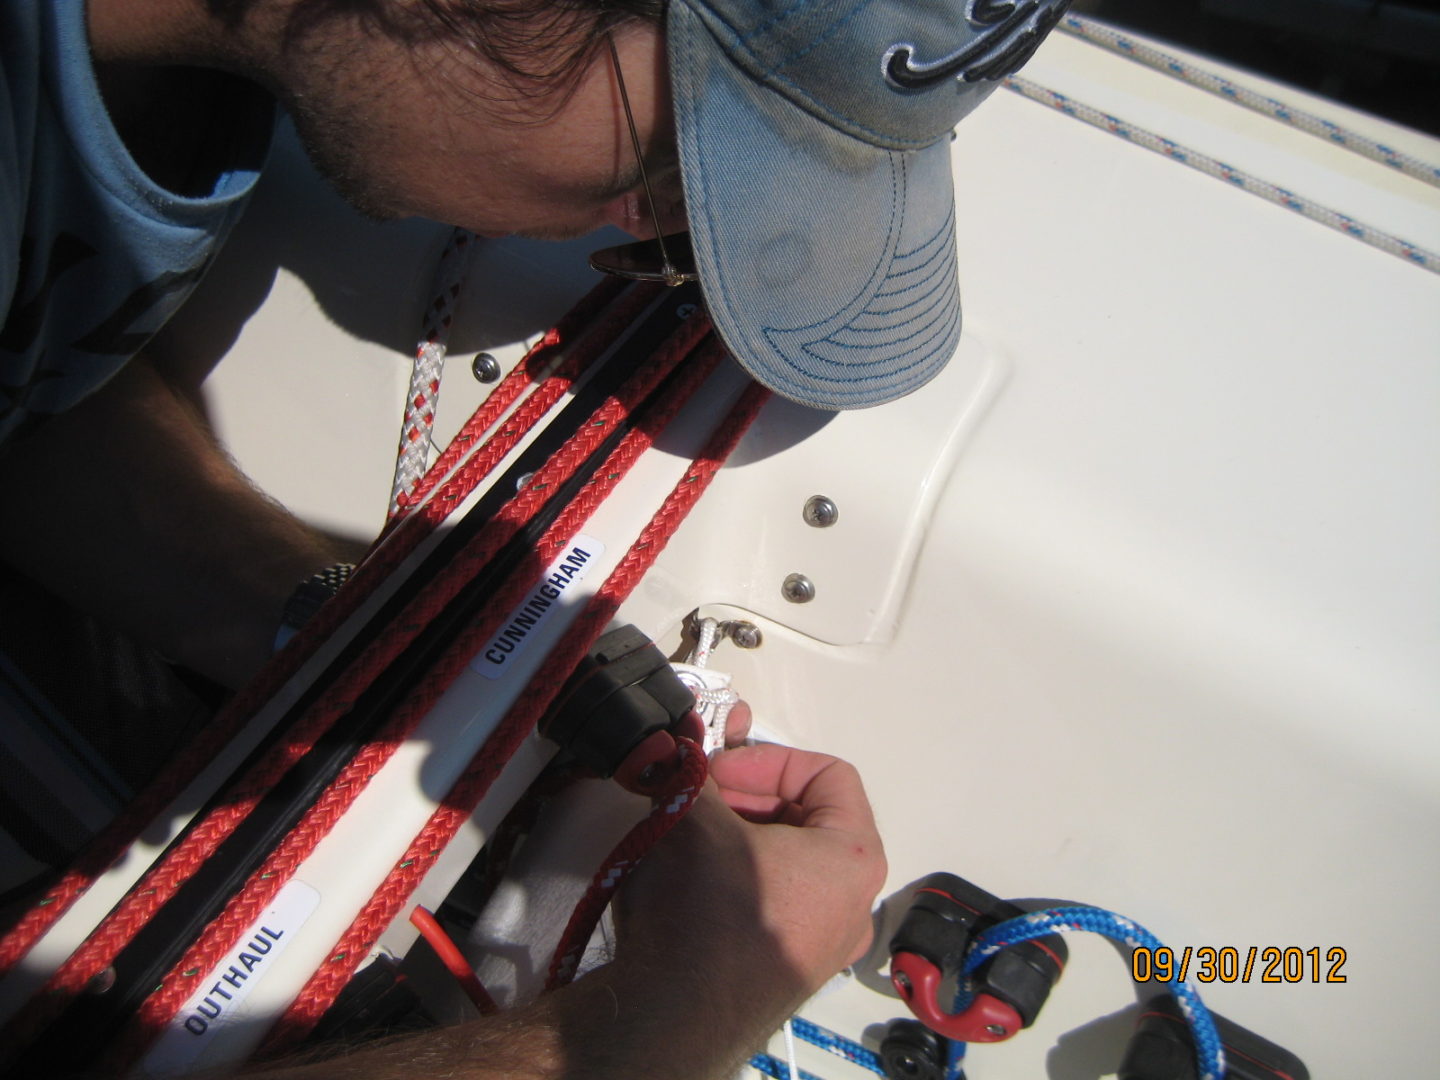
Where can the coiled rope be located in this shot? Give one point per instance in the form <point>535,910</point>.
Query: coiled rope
<point>1109,38</point>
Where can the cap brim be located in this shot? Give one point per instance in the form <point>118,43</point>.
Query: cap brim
<point>828,264</point>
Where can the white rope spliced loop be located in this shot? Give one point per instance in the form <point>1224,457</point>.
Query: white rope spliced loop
<point>1109,38</point>
<point>714,702</point>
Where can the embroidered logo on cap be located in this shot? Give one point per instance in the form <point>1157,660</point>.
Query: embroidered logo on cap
<point>1008,32</point>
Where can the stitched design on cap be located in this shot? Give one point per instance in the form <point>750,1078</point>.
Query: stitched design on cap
<point>898,323</point>
<point>1009,32</point>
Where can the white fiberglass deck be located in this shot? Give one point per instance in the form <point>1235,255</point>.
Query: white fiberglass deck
<point>1135,606</point>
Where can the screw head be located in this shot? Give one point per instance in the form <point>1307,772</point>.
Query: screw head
<point>684,311</point>
<point>485,368</point>
<point>996,1029</point>
<point>798,589</point>
<point>821,512</point>
<point>746,635</point>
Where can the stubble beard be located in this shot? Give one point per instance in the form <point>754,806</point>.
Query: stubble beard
<point>333,145</point>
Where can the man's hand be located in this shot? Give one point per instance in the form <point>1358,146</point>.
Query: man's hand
<point>784,837</point>
<point>746,909</point>
<point>750,904</point>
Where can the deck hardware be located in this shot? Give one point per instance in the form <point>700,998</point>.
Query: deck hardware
<point>485,368</point>
<point>821,511</point>
<point>102,981</point>
<point>930,947</point>
<point>684,311</point>
<point>1162,1038</point>
<point>798,589</point>
<point>745,635</point>
<point>622,694</point>
<point>911,1051</point>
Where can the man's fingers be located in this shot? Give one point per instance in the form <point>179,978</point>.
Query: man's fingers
<point>765,778</point>
<point>737,724</point>
<point>763,809</point>
<point>770,769</point>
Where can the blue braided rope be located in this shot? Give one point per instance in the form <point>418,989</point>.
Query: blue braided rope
<point>773,1066</point>
<point>1208,1051</point>
<point>837,1044</point>
<point>955,1060</point>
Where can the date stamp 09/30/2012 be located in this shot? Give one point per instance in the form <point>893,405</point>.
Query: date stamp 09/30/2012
<point>1229,964</point>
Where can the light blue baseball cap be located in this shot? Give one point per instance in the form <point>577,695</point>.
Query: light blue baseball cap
<point>814,148</point>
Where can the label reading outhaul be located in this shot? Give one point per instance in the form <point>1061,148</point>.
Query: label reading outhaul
<point>219,1000</point>
<point>555,590</point>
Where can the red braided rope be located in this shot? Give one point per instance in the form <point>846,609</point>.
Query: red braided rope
<point>520,376</point>
<point>162,881</point>
<point>109,844</point>
<point>669,807</point>
<point>406,534</point>
<point>322,989</point>
<point>247,905</point>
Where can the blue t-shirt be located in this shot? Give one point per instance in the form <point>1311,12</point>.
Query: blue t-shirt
<point>94,255</point>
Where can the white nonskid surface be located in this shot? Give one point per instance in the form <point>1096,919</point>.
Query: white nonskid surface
<point>1168,644</point>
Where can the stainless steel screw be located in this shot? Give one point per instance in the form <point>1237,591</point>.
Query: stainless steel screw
<point>684,311</point>
<point>821,511</point>
<point>746,635</point>
<point>485,368</point>
<point>798,589</point>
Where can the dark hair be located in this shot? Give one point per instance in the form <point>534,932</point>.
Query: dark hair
<point>539,47</point>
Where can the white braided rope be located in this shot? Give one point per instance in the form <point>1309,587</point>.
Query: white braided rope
<point>420,400</point>
<point>791,1066</point>
<point>1109,38</point>
<point>707,632</point>
<point>719,701</point>
<point>1412,253</point>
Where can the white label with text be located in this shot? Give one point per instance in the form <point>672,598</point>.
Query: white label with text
<point>554,591</point>
<point>219,1000</point>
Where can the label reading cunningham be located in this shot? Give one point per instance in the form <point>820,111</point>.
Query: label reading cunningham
<point>573,563</point>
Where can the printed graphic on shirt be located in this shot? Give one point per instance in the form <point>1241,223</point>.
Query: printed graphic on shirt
<point>51,355</point>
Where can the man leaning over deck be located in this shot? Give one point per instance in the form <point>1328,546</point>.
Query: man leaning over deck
<point>811,141</point>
